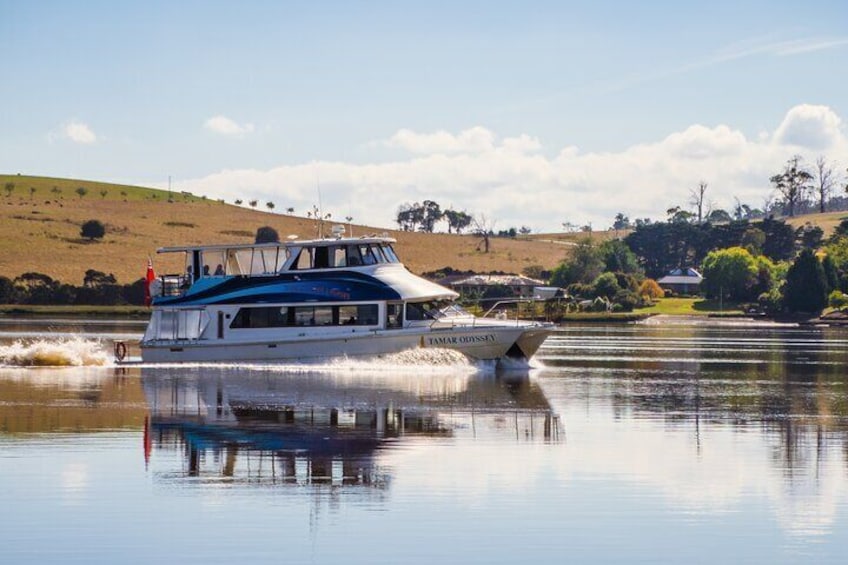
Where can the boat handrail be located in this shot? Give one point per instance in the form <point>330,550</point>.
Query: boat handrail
<point>507,301</point>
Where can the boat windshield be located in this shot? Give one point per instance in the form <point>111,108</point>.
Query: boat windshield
<point>434,310</point>
<point>342,255</point>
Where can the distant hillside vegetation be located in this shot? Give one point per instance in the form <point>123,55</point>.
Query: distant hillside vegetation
<point>40,220</point>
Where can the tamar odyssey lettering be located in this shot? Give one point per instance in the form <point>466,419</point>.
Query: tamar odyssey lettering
<point>460,339</point>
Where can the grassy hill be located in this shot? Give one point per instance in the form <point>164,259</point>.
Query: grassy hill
<point>40,221</point>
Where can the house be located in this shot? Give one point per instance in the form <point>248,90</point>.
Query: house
<point>682,281</point>
<point>518,286</point>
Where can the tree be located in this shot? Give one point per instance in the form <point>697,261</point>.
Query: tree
<point>93,229</point>
<point>94,278</point>
<point>35,288</point>
<point>793,183</point>
<point>253,203</point>
<point>606,285</point>
<point>729,273</point>
<point>779,243</point>
<point>9,187</point>
<point>618,258</point>
<point>289,210</point>
<point>238,201</point>
<point>81,191</point>
<point>431,213</point>
<point>718,216</point>
<point>583,266</point>
<point>269,205</point>
<point>824,182</point>
<point>483,228</point>
<point>809,236</point>
<point>409,216</point>
<point>457,221</point>
<point>621,222</point>
<point>103,193</point>
<point>806,287</point>
<point>267,234</point>
<point>697,198</point>
<point>677,215</point>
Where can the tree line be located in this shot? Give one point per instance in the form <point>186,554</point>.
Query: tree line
<point>97,288</point>
<point>766,264</point>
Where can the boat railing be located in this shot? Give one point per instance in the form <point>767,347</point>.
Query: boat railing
<point>501,314</point>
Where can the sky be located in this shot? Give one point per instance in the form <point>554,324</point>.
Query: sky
<point>529,113</point>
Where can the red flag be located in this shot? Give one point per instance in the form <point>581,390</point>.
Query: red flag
<point>149,277</point>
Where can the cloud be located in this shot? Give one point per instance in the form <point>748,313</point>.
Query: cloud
<point>79,132</point>
<point>815,127</point>
<point>225,126</point>
<point>516,181</point>
<point>473,140</point>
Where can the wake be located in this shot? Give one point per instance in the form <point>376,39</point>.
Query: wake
<point>65,352</point>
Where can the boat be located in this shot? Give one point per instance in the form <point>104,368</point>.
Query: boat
<point>320,298</point>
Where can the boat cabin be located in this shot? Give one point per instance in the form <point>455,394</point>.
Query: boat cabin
<point>269,259</point>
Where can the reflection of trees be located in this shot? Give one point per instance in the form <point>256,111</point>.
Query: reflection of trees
<point>75,400</point>
<point>787,383</point>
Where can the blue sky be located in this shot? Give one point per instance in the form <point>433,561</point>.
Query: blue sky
<point>530,113</point>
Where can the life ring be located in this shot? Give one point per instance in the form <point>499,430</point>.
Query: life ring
<point>120,350</point>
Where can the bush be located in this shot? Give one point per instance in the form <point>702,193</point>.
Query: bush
<point>606,285</point>
<point>93,229</point>
<point>651,289</point>
<point>626,299</point>
<point>267,234</point>
<point>770,302</point>
<point>580,290</point>
<point>837,299</point>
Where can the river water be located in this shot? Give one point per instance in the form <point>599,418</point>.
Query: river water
<point>658,442</point>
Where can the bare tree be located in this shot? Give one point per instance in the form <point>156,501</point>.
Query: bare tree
<point>484,229</point>
<point>824,182</point>
<point>793,183</point>
<point>697,199</point>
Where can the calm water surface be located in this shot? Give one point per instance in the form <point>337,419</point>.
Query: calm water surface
<point>629,443</point>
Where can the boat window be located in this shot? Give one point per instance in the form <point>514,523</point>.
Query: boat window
<point>304,260</point>
<point>322,260</point>
<point>390,253</point>
<point>353,257</point>
<point>338,256</point>
<point>426,310</point>
<point>179,324</point>
<point>294,316</point>
<point>375,249</point>
<point>394,315</point>
<point>367,257</point>
<point>213,263</point>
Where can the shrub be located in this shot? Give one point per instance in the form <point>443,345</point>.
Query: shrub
<point>626,299</point>
<point>770,302</point>
<point>267,234</point>
<point>651,289</point>
<point>837,299</point>
<point>93,229</point>
<point>606,285</point>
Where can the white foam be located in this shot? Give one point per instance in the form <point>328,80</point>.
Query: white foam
<point>55,352</point>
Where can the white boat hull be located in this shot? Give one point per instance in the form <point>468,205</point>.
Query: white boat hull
<point>484,342</point>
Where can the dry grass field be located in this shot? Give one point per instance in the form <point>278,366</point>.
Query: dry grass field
<point>40,220</point>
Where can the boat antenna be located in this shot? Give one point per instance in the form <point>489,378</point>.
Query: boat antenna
<point>320,207</point>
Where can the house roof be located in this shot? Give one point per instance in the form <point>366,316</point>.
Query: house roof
<point>680,279</point>
<point>492,280</point>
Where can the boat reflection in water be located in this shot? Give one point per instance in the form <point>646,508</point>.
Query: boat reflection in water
<point>252,426</point>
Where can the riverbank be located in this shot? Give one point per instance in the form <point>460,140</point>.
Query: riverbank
<point>44,310</point>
